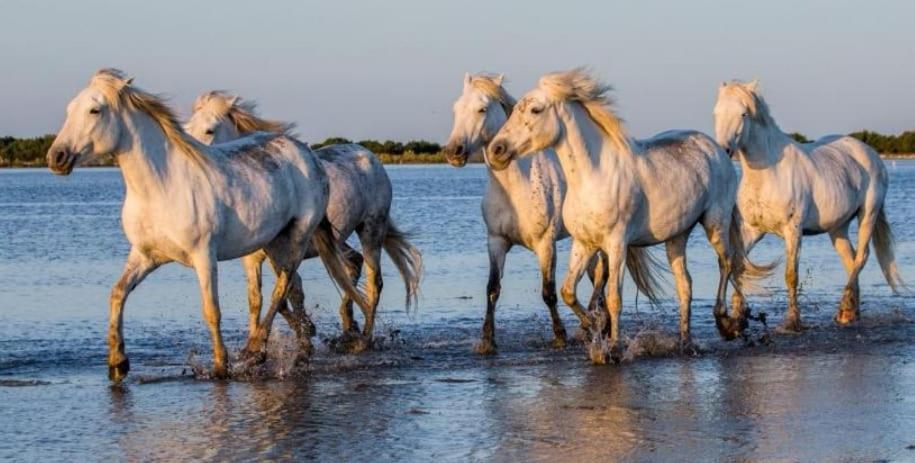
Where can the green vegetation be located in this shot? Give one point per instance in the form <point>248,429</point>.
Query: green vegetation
<point>30,152</point>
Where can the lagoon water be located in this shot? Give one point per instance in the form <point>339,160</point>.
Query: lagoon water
<point>829,394</point>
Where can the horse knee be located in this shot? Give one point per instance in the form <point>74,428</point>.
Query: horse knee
<point>569,296</point>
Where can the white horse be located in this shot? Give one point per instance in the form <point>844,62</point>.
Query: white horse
<point>522,206</point>
<point>195,205</point>
<point>793,189</point>
<point>360,202</point>
<point>625,192</point>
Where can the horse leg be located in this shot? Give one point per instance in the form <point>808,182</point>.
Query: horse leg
<point>792,251</point>
<point>750,237</point>
<point>676,256</point>
<point>371,252</point>
<point>137,267</point>
<point>615,252</point>
<point>728,327</point>
<point>849,309</point>
<point>546,257</point>
<point>292,309</point>
<point>253,276</point>
<point>579,257</point>
<point>354,262</point>
<point>597,273</point>
<point>207,275</point>
<point>498,247</point>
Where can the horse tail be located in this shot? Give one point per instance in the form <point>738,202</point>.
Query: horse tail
<point>646,271</point>
<point>332,257</point>
<point>884,242</point>
<point>743,270</point>
<point>407,259</point>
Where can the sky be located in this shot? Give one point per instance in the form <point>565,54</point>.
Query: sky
<point>392,69</point>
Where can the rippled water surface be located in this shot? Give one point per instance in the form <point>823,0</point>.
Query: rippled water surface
<point>829,394</point>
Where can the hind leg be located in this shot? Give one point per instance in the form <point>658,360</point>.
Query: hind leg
<point>371,252</point>
<point>676,256</point>
<point>849,308</point>
<point>498,248</point>
<point>597,273</point>
<point>750,236</point>
<point>546,256</point>
<point>728,327</point>
<point>354,263</point>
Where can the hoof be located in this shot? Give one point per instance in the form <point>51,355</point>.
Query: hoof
<point>118,372</point>
<point>616,353</point>
<point>559,342</point>
<point>597,353</point>
<point>730,328</point>
<point>219,372</point>
<point>359,345</point>
<point>688,348</point>
<point>846,317</point>
<point>791,326</point>
<point>485,347</point>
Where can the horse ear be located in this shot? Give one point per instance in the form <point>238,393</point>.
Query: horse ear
<point>498,79</point>
<point>724,83</point>
<point>128,81</point>
<point>753,85</point>
<point>233,100</point>
<point>467,80</point>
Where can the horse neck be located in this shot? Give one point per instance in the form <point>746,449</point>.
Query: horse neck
<point>764,148</point>
<point>584,148</point>
<point>146,158</point>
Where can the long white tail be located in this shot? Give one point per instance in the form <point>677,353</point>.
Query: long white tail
<point>332,257</point>
<point>646,271</point>
<point>743,271</point>
<point>407,259</point>
<point>884,244</point>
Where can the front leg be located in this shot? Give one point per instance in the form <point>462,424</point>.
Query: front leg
<point>546,257</point>
<point>498,247</point>
<point>207,275</point>
<point>792,252</point>
<point>579,258</point>
<point>137,267</point>
<point>615,252</point>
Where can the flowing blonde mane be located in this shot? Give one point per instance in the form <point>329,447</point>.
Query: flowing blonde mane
<point>749,96</point>
<point>119,92</point>
<point>239,112</point>
<point>490,86</point>
<point>579,86</point>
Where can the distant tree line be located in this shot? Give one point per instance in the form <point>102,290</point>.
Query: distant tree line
<point>387,146</point>
<point>30,152</point>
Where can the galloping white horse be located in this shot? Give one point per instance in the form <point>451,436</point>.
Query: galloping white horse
<point>793,189</point>
<point>195,205</point>
<point>360,202</point>
<point>625,192</point>
<point>522,205</point>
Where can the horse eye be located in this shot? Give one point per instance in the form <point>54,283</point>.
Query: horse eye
<point>537,110</point>
<point>482,110</point>
<point>746,114</point>
<point>210,131</point>
<point>95,111</point>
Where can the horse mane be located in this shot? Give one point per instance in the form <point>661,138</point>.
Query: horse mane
<point>749,95</point>
<point>579,86</point>
<point>119,92</point>
<point>240,112</point>
<point>490,85</point>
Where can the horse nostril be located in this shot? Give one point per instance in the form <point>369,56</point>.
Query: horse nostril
<point>59,157</point>
<point>459,149</point>
<point>727,150</point>
<point>498,149</point>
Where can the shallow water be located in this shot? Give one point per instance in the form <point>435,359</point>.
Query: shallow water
<point>828,394</point>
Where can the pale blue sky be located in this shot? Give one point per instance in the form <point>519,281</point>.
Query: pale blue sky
<point>391,69</point>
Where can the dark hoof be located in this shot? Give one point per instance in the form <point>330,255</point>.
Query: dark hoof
<point>118,372</point>
<point>616,353</point>
<point>219,372</point>
<point>730,328</point>
<point>485,347</point>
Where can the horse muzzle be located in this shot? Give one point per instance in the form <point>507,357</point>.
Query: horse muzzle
<point>499,155</point>
<point>61,161</point>
<point>456,154</point>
